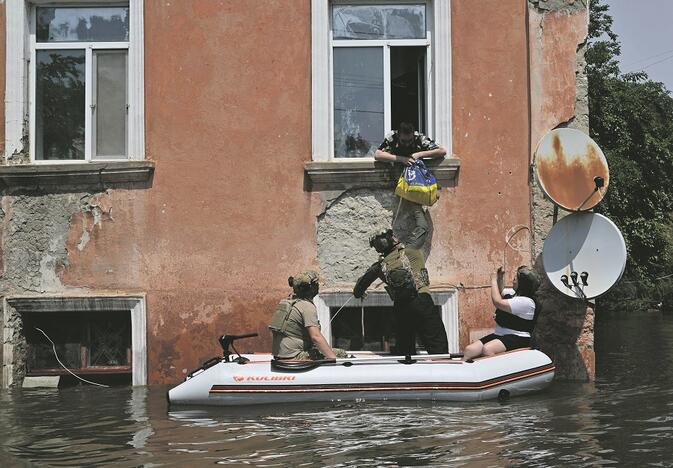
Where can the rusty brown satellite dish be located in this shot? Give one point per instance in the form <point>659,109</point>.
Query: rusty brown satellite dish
<point>571,169</point>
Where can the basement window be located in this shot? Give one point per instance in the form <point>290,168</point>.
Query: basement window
<point>366,329</point>
<point>86,343</point>
<point>369,324</point>
<point>104,335</point>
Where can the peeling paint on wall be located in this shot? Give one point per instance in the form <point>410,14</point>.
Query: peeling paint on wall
<point>559,98</point>
<point>33,253</point>
<point>34,243</point>
<point>344,229</point>
<point>559,5</point>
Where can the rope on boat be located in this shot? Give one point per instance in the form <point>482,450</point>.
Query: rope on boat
<point>53,346</point>
<point>337,312</point>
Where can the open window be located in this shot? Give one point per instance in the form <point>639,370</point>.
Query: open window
<point>380,76</point>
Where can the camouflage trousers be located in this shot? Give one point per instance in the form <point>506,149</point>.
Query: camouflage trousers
<point>315,355</point>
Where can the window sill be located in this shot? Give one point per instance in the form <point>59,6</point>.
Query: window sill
<point>84,370</point>
<point>351,174</point>
<point>61,177</point>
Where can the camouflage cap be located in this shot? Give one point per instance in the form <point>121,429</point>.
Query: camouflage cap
<point>305,278</point>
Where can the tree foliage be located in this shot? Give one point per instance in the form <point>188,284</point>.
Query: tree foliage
<point>631,119</point>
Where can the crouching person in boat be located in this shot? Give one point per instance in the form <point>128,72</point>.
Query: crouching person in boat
<point>402,268</point>
<point>295,325</point>
<point>514,315</point>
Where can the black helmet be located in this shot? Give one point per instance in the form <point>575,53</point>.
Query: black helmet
<point>382,241</point>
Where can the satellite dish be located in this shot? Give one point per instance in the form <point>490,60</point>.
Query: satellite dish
<point>584,255</point>
<point>571,169</point>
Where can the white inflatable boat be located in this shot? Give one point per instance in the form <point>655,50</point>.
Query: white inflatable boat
<point>259,379</point>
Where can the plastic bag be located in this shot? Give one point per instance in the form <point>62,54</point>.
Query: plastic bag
<point>418,185</point>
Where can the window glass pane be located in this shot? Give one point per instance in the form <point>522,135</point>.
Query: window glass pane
<point>110,110</point>
<point>407,86</point>
<point>64,329</point>
<point>110,340</point>
<point>59,104</point>
<point>74,24</point>
<point>378,21</point>
<point>358,101</point>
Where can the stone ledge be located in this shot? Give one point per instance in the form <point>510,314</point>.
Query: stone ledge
<point>92,302</point>
<point>101,175</point>
<point>350,174</point>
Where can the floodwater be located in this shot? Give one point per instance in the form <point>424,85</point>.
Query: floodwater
<point>625,418</point>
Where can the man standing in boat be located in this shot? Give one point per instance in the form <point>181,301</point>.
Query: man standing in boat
<point>295,325</point>
<point>402,268</point>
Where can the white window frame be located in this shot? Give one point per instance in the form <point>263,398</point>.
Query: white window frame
<point>136,304</point>
<point>438,73</point>
<point>447,300</point>
<point>20,77</point>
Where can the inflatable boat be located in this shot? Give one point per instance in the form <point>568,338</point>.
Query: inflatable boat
<point>247,379</point>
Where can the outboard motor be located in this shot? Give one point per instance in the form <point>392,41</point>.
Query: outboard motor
<point>227,341</point>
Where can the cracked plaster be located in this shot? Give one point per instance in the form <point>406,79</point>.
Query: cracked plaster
<point>565,328</point>
<point>32,254</point>
<point>344,228</point>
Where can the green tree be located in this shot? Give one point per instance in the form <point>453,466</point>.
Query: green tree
<point>631,119</point>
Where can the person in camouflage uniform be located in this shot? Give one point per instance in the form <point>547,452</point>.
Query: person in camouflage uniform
<point>295,325</point>
<point>402,269</point>
<point>405,146</point>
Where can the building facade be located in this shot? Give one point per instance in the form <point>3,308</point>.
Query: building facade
<point>169,164</point>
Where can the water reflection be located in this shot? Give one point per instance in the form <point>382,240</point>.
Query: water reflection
<point>626,418</point>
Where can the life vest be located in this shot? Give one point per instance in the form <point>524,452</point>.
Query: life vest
<point>514,322</point>
<point>280,322</point>
<point>402,280</point>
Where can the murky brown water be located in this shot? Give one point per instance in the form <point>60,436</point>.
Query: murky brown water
<point>625,418</point>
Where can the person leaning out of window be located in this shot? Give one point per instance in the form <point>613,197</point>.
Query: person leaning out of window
<point>406,145</point>
<point>514,315</point>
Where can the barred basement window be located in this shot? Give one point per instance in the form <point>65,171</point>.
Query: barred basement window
<point>86,343</point>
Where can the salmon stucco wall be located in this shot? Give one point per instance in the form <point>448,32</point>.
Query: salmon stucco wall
<point>559,98</point>
<point>490,135</point>
<point>227,218</point>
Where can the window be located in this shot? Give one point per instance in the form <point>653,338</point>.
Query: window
<point>93,334</point>
<point>80,74</point>
<point>368,325</point>
<point>366,328</point>
<point>379,73</point>
<point>86,343</point>
<point>375,64</point>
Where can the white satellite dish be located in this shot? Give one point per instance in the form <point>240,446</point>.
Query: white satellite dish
<point>584,255</point>
<point>571,169</point>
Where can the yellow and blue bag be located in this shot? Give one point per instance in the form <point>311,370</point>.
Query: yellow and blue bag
<point>417,184</point>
